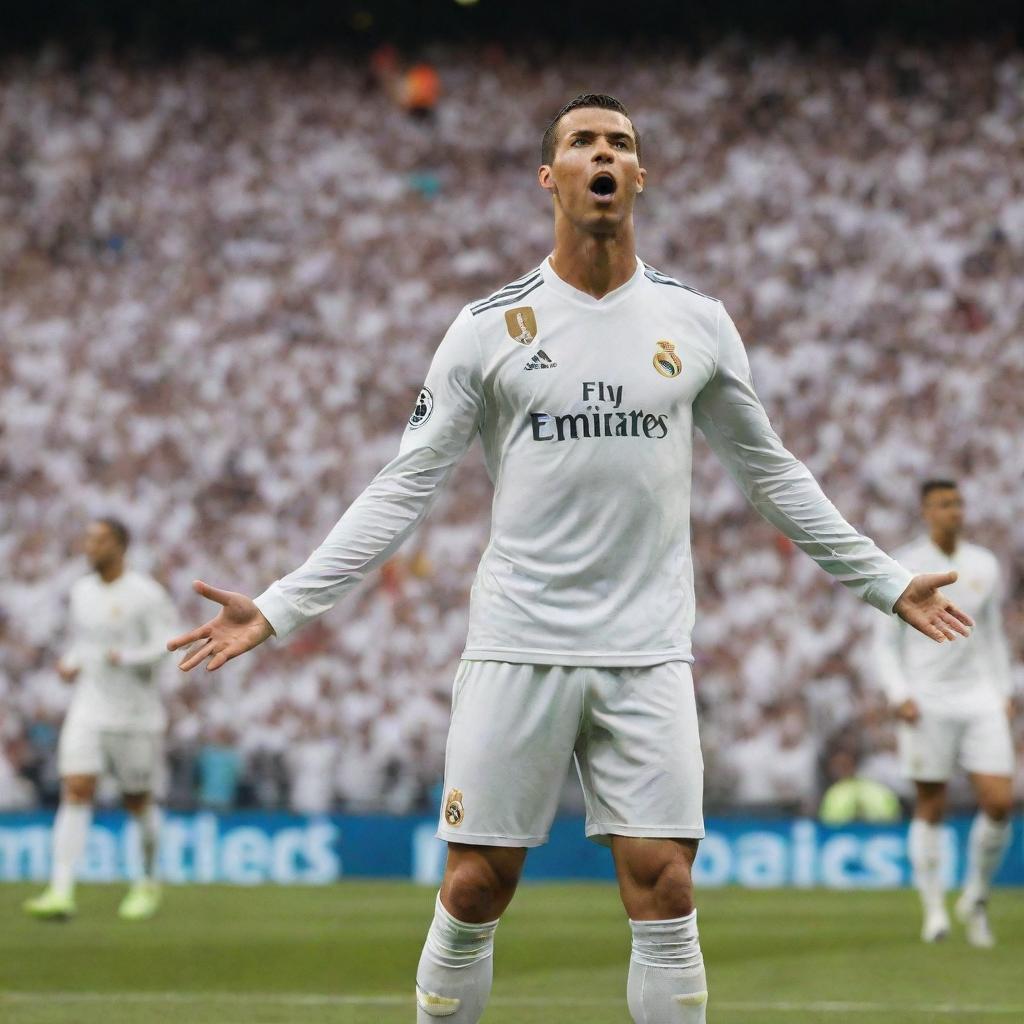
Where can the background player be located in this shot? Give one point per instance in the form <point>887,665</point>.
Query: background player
<point>118,623</point>
<point>954,703</point>
<point>584,379</point>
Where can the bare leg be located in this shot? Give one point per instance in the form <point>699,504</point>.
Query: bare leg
<point>453,979</point>
<point>667,983</point>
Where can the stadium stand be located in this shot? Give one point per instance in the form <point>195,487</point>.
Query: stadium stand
<point>223,280</point>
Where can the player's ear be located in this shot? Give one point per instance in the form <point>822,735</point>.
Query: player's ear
<point>641,179</point>
<point>546,179</point>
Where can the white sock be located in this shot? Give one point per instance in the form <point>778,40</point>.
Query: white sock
<point>70,830</point>
<point>453,979</point>
<point>986,847</point>
<point>924,845</point>
<point>149,837</point>
<point>667,984</point>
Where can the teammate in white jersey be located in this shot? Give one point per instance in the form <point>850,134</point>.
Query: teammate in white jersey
<point>954,704</point>
<point>119,621</point>
<point>583,379</point>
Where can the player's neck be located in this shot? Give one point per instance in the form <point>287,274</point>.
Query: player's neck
<point>594,264</point>
<point>945,542</point>
<point>112,571</point>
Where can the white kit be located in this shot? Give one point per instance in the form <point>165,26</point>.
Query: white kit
<point>116,718</point>
<point>585,408</point>
<point>960,688</point>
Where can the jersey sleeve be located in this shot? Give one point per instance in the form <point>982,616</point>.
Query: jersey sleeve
<point>887,651</point>
<point>781,488</point>
<point>994,637</point>
<point>73,655</point>
<point>159,621</point>
<point>446,417</point>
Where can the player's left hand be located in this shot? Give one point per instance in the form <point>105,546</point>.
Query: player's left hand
<point>113,658</point>
<point>238,627</point>
<point>922,606</point>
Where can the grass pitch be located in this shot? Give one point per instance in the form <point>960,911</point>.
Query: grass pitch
<point>347,954</point>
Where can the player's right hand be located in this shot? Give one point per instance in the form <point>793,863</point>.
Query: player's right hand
<point>238,627</point>
<point>67,673</point>
<point>908,711</point>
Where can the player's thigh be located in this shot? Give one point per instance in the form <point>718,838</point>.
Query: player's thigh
<point>509,748</point>
<point>928,748</point>
<point>79,751</point>
<point>639,754</point>
<point>987,746</point>
<point>133,759</point>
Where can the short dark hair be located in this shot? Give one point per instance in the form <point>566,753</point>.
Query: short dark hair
<point>937,485</point>
<point>585,99</point>
<point>117,528</point>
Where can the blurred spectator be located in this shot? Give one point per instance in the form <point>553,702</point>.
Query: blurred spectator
<point>851,797</point>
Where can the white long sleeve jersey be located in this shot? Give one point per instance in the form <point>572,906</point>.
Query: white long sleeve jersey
<point>974,672</point>
<point>585,408</point>
<point>133,616</point>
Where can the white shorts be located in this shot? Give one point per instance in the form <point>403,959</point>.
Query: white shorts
<point>979,741</point>
<point>132,757</point>
<point>516,728</point>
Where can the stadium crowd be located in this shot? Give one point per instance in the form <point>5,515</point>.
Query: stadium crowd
<point>222,283</point>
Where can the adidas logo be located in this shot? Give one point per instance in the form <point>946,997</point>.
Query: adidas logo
<point>541,361</point>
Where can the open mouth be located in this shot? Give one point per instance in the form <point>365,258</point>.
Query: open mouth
<point>603,186</point>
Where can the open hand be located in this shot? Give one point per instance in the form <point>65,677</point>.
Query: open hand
<point>238,627</point>
<point>923,607</point>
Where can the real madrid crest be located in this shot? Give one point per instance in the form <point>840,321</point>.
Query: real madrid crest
<point>522,324</point>
<point>454,812</point>
<point>666,362</point>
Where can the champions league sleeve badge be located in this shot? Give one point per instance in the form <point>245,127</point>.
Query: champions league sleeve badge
<point>424,407</point>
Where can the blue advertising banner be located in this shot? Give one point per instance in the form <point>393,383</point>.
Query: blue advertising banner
<point>260,848</point>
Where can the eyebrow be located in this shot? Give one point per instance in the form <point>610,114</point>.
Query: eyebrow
<point>589,132</point>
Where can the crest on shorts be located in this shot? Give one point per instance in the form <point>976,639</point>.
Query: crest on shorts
<point>522,324</point>
<point>454,812</point>
<point>666,362</point>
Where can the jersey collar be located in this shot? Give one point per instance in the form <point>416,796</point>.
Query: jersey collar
<point>567,291</point>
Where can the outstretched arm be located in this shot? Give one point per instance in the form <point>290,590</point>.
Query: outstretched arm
<point>443,425</point>
<point>781,488</point>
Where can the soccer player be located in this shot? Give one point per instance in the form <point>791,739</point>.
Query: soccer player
<point>118,622</point>
<point>583,378</point>
<point>954,706</point>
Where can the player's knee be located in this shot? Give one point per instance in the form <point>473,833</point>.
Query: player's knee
<point>135,803</point>
<point>998,809</point>
<point>475,895</point>
<point>673,891</point>
<point>78,789</point>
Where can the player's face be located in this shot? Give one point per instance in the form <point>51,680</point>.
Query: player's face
<point>596,173</point>
<point>101,545</point>
<point>944,511</point>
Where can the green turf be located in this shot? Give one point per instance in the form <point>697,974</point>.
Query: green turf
<point>218,955</point>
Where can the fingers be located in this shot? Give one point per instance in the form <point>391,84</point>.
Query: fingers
<point>197,654</point>
<point>200,633</point>
<point>940,579</point>
<point>962,616</point>
<point>219,659</point>
<point>212,593</point>
<point>950,621</point>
